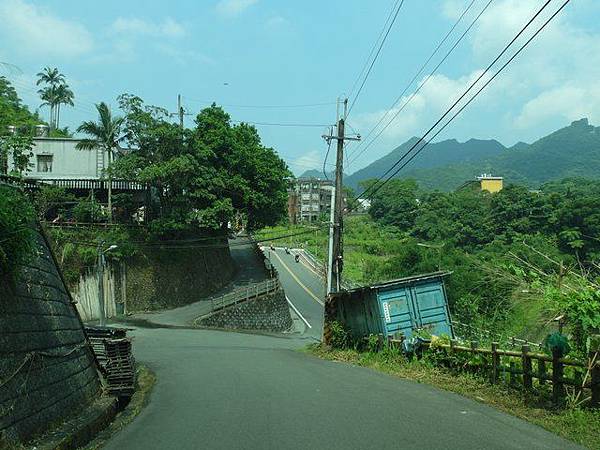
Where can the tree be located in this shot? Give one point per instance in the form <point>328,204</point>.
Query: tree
<point>106,134</point>
<point>19,149</point>
<point>55,93</point>
<point>202,176</point>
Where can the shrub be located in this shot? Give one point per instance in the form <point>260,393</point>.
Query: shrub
<point>340,338</point>
<point>16,229</point>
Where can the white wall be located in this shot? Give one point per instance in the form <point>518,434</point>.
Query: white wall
<point>67,161</point>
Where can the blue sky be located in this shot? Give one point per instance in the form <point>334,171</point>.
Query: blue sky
<point>271,52</point>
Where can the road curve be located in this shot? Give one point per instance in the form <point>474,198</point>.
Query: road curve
<point>219,390</point>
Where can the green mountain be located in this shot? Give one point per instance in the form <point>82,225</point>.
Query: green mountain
<point>573,151</point>
<point>436,155</point>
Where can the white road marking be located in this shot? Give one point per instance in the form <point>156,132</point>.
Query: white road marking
<point>297,280</point>
<point>297,312</point>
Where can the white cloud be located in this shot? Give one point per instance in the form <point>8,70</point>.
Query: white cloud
<point>233,8</point>
<point>135,26</point>
<point>552,82</point>
<point>310,160</point>
<point>37,31</point>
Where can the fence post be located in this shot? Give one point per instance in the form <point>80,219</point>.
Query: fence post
<point>527,372</point>
<point>495,362</point>
<point>541,371</point>
<point>594,361</point>
<point>512,375</point>
<point>558,389</point>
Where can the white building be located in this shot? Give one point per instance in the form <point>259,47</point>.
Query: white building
<point>59,159</point>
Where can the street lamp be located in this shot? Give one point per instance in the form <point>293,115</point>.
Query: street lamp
<point>101,264</point>
<point>436,247</point>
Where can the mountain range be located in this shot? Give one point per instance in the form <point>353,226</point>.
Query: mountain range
<point>568,152</point>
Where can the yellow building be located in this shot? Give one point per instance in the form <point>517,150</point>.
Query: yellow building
<point>489,183</point>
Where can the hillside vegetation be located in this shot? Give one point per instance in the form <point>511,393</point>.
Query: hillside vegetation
<point>518,258</point>
<point>573,151</point>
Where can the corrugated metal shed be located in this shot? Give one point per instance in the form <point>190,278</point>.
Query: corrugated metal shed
<point>394,307</point>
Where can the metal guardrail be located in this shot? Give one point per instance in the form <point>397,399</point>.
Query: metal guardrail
<point>245,293</point>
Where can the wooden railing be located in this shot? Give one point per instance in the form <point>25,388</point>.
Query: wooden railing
<point>521,369</point>
<point>245,293</point>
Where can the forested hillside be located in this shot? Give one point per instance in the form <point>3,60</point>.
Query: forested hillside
<point>438,154</point>
<point>569,152</point>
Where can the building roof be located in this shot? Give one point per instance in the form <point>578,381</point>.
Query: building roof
<point>401,281</point>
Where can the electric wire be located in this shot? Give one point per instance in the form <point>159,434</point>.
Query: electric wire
<point>275,124</point>
<point>305,105</point>
<point>375,58</point>
<point>449,110</point>
<point>416,75</point>
<point>422,84</point>
<point>366,63</point>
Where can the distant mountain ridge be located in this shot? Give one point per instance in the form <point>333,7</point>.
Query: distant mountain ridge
<point>437,154</point>
<point>572,151</point>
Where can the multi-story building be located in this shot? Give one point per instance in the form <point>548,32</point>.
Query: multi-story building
<point>309,200</point>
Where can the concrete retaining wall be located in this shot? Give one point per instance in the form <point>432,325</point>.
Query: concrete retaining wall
<point>268,313</point>
<point>47,372</point>
<point>164,278</point>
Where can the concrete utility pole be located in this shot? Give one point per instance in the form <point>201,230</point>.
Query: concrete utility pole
<point>336,251</point>
<point>180,111</point>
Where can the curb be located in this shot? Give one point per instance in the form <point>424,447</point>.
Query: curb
<point>82,429</point>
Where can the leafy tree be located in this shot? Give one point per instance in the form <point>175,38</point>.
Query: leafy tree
<point>13,111</point>
<point>395,203</point>
<point>19,150</point>
<point>202,176</point>
<point>105,134</point>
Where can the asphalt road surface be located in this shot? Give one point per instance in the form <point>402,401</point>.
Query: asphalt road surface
<point>220,390</point>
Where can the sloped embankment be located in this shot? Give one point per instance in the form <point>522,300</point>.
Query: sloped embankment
<point>47,371</point>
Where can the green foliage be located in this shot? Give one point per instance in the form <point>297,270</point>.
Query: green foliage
<point>202,176</point>
<point>16,234</point>
<point>340,338</point>
<point>19,149</point>
<point>87,211</point>
<point>49,201</point>
<point>13,111</point>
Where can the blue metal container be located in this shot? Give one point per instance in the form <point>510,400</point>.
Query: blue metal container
<point>397,307</point>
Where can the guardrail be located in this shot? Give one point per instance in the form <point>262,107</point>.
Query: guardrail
<point>518,368</point>
<point>245,293</point>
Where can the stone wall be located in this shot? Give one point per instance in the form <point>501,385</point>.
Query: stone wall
<point>268,313</point>
<point>168,277</point>
<point>47,372</point>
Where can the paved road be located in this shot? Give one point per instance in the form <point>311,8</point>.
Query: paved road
<point>304,289</point>
<point>219,390</point>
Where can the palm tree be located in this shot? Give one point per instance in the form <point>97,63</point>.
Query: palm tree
<point>64,96</point>
<point>55,93</point>
<point>106,134</point>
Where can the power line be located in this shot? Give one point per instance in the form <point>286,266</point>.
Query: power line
<point>375,58</point>
<point>462,96</point>
<point>471,99</point>
<point>416,75</point>
<point>272,124</point>
<point>364,67</point>
<point>424,82</point>
<point>306,105</point>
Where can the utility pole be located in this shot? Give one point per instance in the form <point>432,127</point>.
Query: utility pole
<point>180,111</point>
<point>336,251</point>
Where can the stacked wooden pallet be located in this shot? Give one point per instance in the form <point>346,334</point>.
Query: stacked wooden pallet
<point>113,352</point>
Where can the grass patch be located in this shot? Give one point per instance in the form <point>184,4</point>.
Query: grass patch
<point>578,425</point>
<point>145,380</point>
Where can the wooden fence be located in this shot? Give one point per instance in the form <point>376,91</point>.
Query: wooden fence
<point>534,370</point>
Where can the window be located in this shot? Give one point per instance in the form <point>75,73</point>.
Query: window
<point>44,163</point>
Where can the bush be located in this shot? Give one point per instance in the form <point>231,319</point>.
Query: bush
<point>87,211</point>
<point>340,338</point>
<point>16,229</point>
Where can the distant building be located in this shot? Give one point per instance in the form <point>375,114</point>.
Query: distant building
<point>489,183</point>
<point>309,199</point>
<point>57,161</point>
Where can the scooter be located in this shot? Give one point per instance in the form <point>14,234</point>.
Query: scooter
<point>297,258</point>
